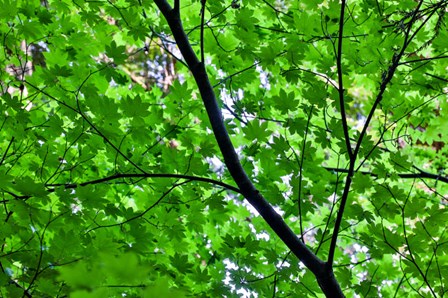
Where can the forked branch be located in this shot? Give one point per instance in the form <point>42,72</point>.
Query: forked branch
<point>323,273</point>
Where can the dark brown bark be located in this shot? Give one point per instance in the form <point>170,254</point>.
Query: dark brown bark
<point>322,271</point>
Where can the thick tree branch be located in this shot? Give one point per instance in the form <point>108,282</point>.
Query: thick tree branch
<point>323,273</point>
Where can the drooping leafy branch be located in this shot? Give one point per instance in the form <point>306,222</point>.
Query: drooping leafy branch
<point>420,174</point>
<point>144,176</point>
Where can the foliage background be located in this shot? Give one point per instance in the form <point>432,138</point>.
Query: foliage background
<point>112,182</point>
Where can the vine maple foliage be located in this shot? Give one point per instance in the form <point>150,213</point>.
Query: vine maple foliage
<point>223,148</point>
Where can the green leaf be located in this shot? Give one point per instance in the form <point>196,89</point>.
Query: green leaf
<point>117,53</point>
<point>257,130</point>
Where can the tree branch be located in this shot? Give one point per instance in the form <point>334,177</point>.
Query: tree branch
<point>140,176</point>
<point>386,79</point>
<point>340,82</point>
<point>202,28</point>
<point>420,175</point>
<point>323,273</point>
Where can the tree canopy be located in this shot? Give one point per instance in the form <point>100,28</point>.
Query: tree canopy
<point>234,148</point>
